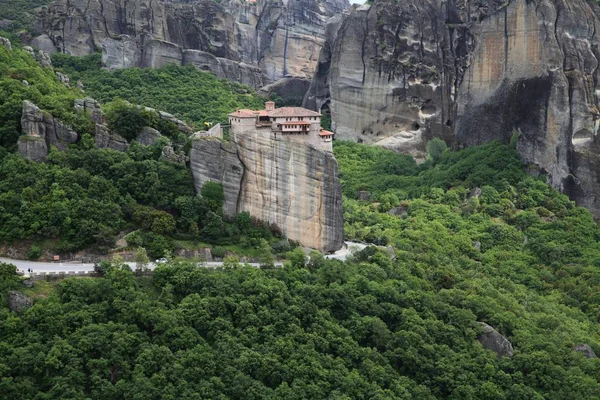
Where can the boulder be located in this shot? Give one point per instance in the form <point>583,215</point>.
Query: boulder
<point>169,154</point>
<point>91,107</point>
<point>5,42</point>
<point>18,302</point>
<point>492,340</point>
<point>108,140</point>
<point>398,211</point>
<point>586,349</point>
<point>44,59</point>
<point>44,43</point>
<point>64,79</point>
<point>159,53</point>
<point>28,283</point>
<point>30,50</point>
<point>148,136</point>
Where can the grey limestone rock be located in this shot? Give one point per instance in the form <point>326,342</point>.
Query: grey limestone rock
<point>6,43</point>
<point>291,185</point>
<point>281,38</point>
<point>30,50</point>
<point>148,136</point>
<point>121,52</point>
<point>224,68</point>
<point>41,130</point>
<point>213,160</point>
<point>109,140</point>
<point>168,153</point>
<point>64,79</point>
<point>586,349</point>
<point>44,59</point>
<point>397,74</point>
<point>18,302</point>
<point>492,340</point>
<point>291,90</point>
<point>91,106</point>
<point>33,148</point>
<point>44,43</point>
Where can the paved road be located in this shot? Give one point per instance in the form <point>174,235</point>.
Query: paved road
<point>77,267</point>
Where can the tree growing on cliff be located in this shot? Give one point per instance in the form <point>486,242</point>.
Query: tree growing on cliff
<point>435,149</point>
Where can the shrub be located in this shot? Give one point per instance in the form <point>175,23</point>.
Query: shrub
<point>34,252</point>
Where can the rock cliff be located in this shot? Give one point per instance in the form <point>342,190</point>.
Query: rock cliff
<point>399,74</point>
<point>231,38</point>
<point>293,186</point>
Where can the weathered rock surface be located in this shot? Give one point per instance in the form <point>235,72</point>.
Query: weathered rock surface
<point>44,43</point>
<point>399,74</point>
<point>281,37</point>
<point>290,90</point>
<point>293,186</point>
<point>586,349</point>
<point>224,68</point>
<point>40,131</point>
<point>492,340</point>
<point>148,136</point>
<point>18,302</point>
<point>5,42</point>
<point>213,160</point>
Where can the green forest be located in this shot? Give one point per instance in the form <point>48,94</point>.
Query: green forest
<point>462,238</point>
<point>515,254</point>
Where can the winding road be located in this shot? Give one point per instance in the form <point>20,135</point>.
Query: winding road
<point>77,268</point>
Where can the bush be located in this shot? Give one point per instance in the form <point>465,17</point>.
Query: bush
<point>34,252</point>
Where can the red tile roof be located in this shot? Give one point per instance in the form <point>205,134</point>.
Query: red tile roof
<point>244,113</point>
<point>278,112</point>
<point>292,112</point>
<point>325,133</point>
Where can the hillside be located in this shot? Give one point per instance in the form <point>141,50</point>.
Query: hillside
<point>515,254</point>
<point>84,196</point>
<point>186,92</point>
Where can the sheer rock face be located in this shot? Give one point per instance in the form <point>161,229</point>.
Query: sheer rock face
<point>40,131</point>
<point>281,37</point>
<point>399,74</point>
<point>293,186</point>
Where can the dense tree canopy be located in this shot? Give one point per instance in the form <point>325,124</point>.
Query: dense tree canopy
<point>472,243</point>
<point>187,92</point>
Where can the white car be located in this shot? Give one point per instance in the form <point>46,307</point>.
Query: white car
<point>161,261</point>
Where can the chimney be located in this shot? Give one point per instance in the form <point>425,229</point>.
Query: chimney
<point>270,105</point>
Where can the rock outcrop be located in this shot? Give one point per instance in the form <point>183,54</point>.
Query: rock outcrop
<point>18,302</point>
<point>289,91</point>
<point>293,186</point>
<point>586,350</point>
<point>230,38</point>
<point>400,74</point>
<point>492,340</point>
<point>40,131</point>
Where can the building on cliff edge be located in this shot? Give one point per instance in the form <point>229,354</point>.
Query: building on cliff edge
<point>293,123</point>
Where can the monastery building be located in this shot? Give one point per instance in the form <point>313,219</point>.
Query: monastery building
<point>292,123</point>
